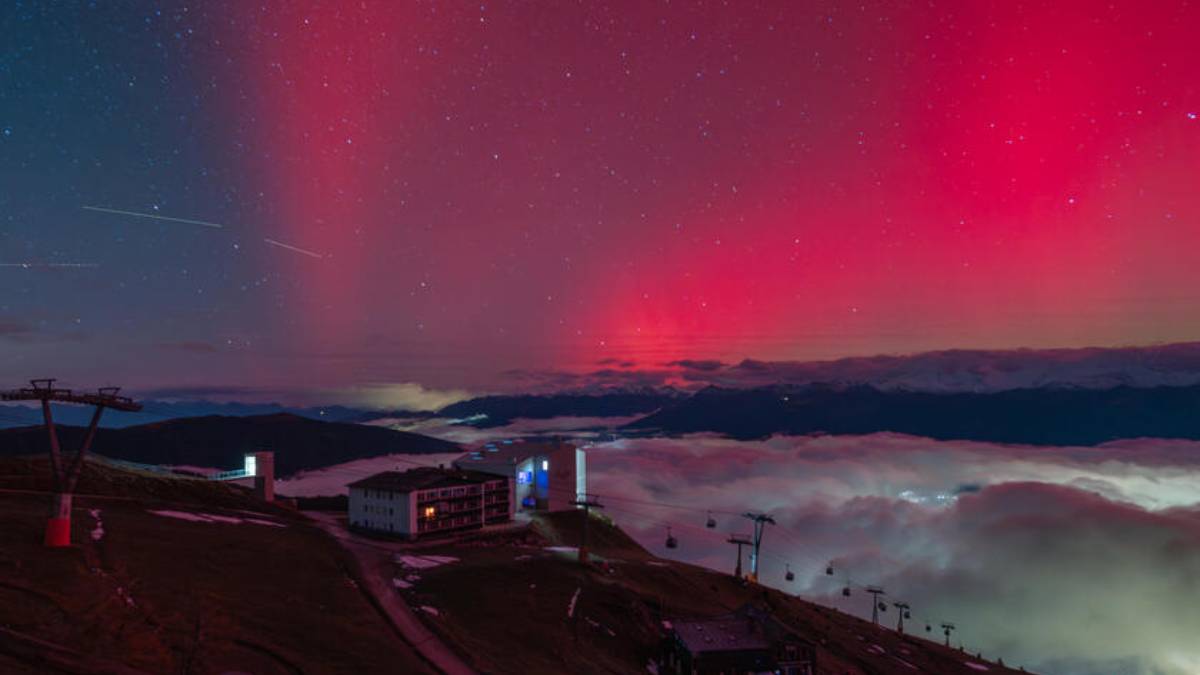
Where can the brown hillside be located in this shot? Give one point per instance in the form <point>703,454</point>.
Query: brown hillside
<point>157,594</point>
<point>505,603</point>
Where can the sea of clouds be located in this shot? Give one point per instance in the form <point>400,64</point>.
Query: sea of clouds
<point>1065,560</point>
<point>1073,561</point>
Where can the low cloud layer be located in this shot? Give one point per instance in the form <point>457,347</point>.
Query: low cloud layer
<point>1075,561</point>
<point>399,396</point>
<point>1068,561</point>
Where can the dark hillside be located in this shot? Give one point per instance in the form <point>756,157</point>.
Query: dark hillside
<point>1044,416</point>
<point>219,442</point>
<point>607,618</point>
<point>215,582</point>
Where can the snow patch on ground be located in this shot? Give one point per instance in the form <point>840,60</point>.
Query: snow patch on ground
<point>98,531</point>
<point>574,599</point>
<point>400,583</point>
<point>876,649</point>
<point>260,521</point>
<point>424,562</point>
<point>430,610</point>
<point>976,666</point>
<point>212,518</point>
<point>562,549</point>
<point>124,595</point>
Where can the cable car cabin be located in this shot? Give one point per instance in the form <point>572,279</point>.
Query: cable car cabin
<point>749,640</point>
<point>829,571</point>
<point>789,575</point>
<point>711,522</point>
<point>672,542</point>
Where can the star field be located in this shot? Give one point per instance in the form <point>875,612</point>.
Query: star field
<point>440,192</point>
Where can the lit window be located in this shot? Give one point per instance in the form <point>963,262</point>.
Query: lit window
<point>430,513</point>
<point>545,465</point>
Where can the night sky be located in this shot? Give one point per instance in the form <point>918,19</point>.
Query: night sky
<point>453,190</point>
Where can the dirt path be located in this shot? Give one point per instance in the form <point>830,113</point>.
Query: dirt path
<point>376,580</point>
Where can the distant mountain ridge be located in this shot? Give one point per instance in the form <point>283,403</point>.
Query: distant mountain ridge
<point>220,441</point>
<point>155,410</point>
<point>1043,416</point>
<point>967,370</point>
<point>502,410</point>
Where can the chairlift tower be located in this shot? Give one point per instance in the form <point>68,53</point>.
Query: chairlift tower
<point>740,542</point>
<point>759,520</point>
<point>875,592</point>
<point>901,612</point>
<point>947,628</point>
<point>58,527</point>
<point>587,503</point>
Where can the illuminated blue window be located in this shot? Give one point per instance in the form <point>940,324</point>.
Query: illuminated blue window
<point>524,477</point>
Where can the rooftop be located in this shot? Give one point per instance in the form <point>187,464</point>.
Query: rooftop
<point>731,632</point>
<point>421,478</point>
<point>512,452</point>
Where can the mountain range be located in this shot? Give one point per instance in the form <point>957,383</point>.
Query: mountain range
<point>1043,416</point>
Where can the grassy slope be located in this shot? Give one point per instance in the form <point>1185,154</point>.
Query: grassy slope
<point>510,613</point>
<point>203,597</point>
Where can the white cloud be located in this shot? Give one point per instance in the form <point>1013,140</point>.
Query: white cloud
<point>400,396</point>
<point>1065,560</point>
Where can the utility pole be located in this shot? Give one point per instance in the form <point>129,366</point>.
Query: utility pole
<point>58,527</point>
<point>587,503</point>
<point>946,628</point>
<point>759,519</point>
<point>740,541</point>
<point>875,592</point>
<point>901,610</point>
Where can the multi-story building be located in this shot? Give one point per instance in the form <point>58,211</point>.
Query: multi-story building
<point>547,475</point>
<point>429,501</point>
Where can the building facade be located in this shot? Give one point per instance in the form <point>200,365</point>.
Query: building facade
<point>428,501</point>
<point>546,475</point>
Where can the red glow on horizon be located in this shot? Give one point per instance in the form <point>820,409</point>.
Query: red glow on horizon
<point>801,186</point>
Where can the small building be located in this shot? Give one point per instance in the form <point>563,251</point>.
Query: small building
<point>258,468</point>
<point>749,640</point>
<point>429,501</point>
<point>547,475</point>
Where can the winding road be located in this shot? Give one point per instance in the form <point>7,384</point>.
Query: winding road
<point>374,562</point>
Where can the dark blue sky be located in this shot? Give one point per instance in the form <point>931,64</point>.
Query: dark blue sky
<point>438,194</point>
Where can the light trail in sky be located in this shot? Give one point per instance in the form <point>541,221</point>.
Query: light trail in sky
<point>42,265</point>
<point>289,247</point>
<point>153,216</point>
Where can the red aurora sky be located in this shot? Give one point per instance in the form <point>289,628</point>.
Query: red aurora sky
<point>553,185</point>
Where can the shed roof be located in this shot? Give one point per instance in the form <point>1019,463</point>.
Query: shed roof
<point>507,454</point>
<point>730,632</point>
<point>421,478</point>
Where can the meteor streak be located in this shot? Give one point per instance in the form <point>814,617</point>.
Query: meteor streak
<point>152,216</point>
<point>289,247</point>
<point>33,265</point>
